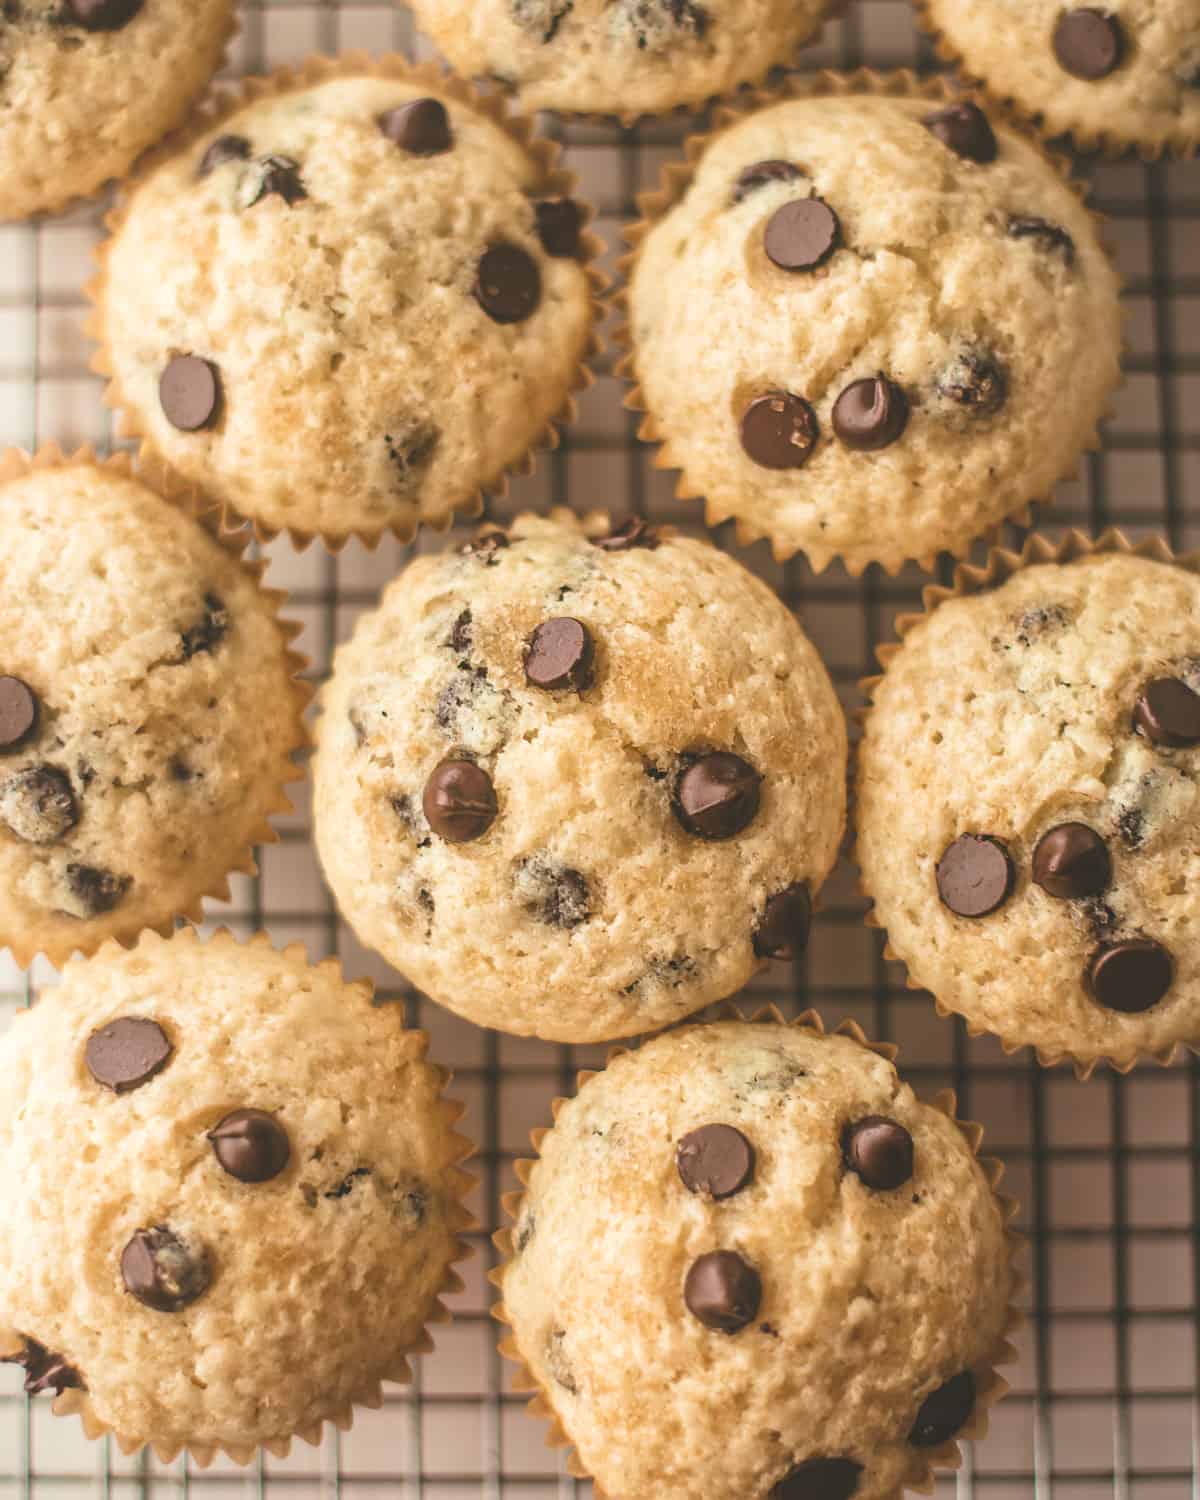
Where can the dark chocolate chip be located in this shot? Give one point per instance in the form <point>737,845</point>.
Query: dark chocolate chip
<point>717,796</point>
<point>553,892</point>
<point>508,285</point>
<point>560,655</point>
<point>760,174</point>
<point>944,1412</point>
<point>421,127</point>
<point>1168,713</point>
<point>654,22</point>
<point>103,15</point>
<point>542,16</point>
<point>224,149</point>
<point>127,1053</point>
<point>974,381</point>
<point>38,805</point>
<point>880,1151</point>
<point>251,1145</point>
<point>819,1479</point>
<point>189,392</point>
<point>975,875</point>
<point>275,177</point>
<point>162,1272</point>
<point>716,1160</point>
<point>965,129</point>
<point>485,545</point>
<point>559,226</point>
<point>1049,237</point>
<point>779,431</point>
<point>723,1291</point>
<point>459,801</point>
<point>346,1186</point>
<point>19,712</point>
<point>460,636</point>
<point>1132,976</point>
<point>783,931</point>
<point>870,414</point>
<point>210,630</point>
<point>410,448</point>
<point>802,235</point>
<point>1131,825</point>
<point>1071,861</point>
<point>44,1371</point>
<point>1089,43</point>
<point>625,535</point>
<point>98,891</point>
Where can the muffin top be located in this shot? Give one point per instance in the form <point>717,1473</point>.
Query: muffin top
<point>346,307</point>
<point>751,1264</point>
<point>87,85</point>
<point>579,788</point>
<point>147,710</point>
<point>1028,807</point>
<point>1127,71</point>
<point>873,327</point>
<point>622,57</point>
<point>231,1192</point>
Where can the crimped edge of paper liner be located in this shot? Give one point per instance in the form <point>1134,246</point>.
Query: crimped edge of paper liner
<point>1001,565</point>
<point>676,178</point>
<point>458,1182</point>
<point>16,463</point>
<point>1110,144</point>
<point>990,1385</point>
<point>314,70</point>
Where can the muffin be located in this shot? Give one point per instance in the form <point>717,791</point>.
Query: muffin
<point>149,707</point>
<point>1028,801</point>
<point>751,1265</point>
<point>232,1192</point>
<point>619,57</point>
<point>348,301</point>
<point>854,321</point>
<point>1126,73</point>
<point>87,85</point>
<point>578,783</point>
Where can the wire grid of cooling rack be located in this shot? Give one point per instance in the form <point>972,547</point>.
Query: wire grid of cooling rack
<point>1105,1399</point>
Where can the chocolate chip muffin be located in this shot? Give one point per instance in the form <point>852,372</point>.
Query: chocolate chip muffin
<point>872,324</point>
<point>349,302</point>
<point>579,782</point>
<point>87,85</point>
<point>620,57</point>
<point>232,1196</point>
<point>148,707</point>
<point>1126,73</point>
<point>1029,802</point>
<point>751,1265</point>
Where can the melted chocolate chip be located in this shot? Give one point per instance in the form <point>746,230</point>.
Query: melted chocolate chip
<point>879,1151</point>
<point>103,15</point>
<point>560,656</point>
<point>944,1412</point>
<point>965,129</point>
<point>975,875</point>
<point>723,1291</point>
<point>1168,713</point>
<point>346,1186</point>
<point>715,1160</point>
<point>783,931</point>
<point>189,392</point>
<point>421,127</point>
<point>559,226</point>
<point>466,696</point>
<point>761,174</point>
<point>508,285</point>
<point>541,16</point>
<point>717,796</point>
<point>97,890</point>
<point>975,382</point>
<point>1052,238</point>
<point>224,149</point>
<point>127,1053</point>
<point>206,635</point>
<point>802,235</point>
<point>485,545</point>
<point>628,534</point>
<point>656,23</point>
<point>19,713</point>
<point>1072,861</point>
<point>251,1145</point>
<point>274,177</point>
<point>1131,825</point>
<point>553,893</point>
<point>870,414</point>
<point>779,431</point>
<point>1089,43</point>
<point>38,805</point>
<point>1132,976</point>
<point>163,1272</point>
<point>45,1371</point>
<point>461,635</point>
<point>819,1479</point>
<point>1033,624</point>
<point>459,801</point>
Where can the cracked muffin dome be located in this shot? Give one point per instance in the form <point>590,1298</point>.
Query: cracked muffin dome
<point>623,57</point>
<point>148,708</point>
<point>872,326</point>
<point>1029,806</point>
<point>87,85</point>
<point>751,1265</point>
<point>1123,73</point>
<point>349,305</point>
<point>231,1195</point>
<point>579,785</point>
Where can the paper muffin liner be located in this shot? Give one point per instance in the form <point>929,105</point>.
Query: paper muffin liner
<point>1000,566</point>
<point>370,1393</point>
<point>990,1384</point>
<point>1110,143</point>
<point>553,180</point>
<point>677,177</point>
<point>14,464</point>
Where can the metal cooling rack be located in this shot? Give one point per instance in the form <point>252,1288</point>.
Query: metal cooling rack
<point>1105,1403</point>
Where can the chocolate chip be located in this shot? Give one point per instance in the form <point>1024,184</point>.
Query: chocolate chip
<point>162,1272</point>
<point>663,974</point>
<point>819,1479</point>
<point>552,892</point>
<point>870,414</point>
<point>1072,861</point>
<point>1168,713</point>
<point>717,796</point>
<point>346,1186</point>
<point>783,931</point>
<point>485,545</point>
<point>966,130</point>
<point>716,1160</point>
<point>127,1053</point>
<point>1131,825</point>
<point>44,1371</point>
<point>209,631</point>
<point>559,226</point>
<point>974,381</point>
<point>19,711</point>
<point>38,805</point>
<point>560,655</point>
<point>508,285</point>
<point>224,149</point>
<point>103,15</point>
<point>655,23</point>
<point>189,392</point>
<point>421,127</point>
<point>97,890</point>
<point>273,177</point>
<point>1089,43</point>
<point>459,801</point>
<point>1045,620</point>
<point>251,1145</point>
<point>542,16</point>
<point>410,448</point>
<point>975,875</point>
<point>879,1151</point>
<point>1049,237</point>
<point>1132,976</point>
<point>944,1412</point>
<point>802,235</point>
<point>760,174</point>
<point>779,431</point>
<point>625,535</point>
<point>461,636</point>
<point>723,1291</point>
